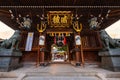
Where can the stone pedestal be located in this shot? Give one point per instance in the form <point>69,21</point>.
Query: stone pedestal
<point>110,59</point>
<point>9,59</point>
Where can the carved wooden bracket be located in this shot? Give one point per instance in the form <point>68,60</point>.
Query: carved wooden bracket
<point>41,28</point>
<point>77,27</point>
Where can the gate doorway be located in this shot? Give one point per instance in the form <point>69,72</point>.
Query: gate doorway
<point>59,54</point>
<point>59,50</point>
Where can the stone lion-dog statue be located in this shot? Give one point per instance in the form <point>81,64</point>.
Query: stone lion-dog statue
<point>107,41</point>
<point>12,42</point>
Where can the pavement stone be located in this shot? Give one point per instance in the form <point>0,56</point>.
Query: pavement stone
<point>7,78</point>
<point>60,72</point>
<point>61,78</point>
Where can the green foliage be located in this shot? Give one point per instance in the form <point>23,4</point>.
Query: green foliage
<point>63,48</point>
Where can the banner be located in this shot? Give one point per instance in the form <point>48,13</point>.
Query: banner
<point>54,39</point>
<point>42,40</point>
<point>29,41</point>
<point>64,41</point>
<point>77,40</point>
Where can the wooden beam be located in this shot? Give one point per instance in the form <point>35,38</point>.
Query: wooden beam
<point>117,7</point>
<point>114,15</point>
<point>115,11</point>
<point>5,15</point>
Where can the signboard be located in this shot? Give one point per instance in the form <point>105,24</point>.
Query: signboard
<point>42,40</point>
<point>77,40</point>
<point>59,18</point>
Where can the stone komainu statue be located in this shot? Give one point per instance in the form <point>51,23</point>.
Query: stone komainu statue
<point>13,42</point>
<point>108,42</point>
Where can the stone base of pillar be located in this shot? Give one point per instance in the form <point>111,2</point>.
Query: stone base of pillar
<point>44,63</point>
<point>76,63</point>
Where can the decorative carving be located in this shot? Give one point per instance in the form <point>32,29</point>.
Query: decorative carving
<point>95,22</point>
<point>24,22</point>
<point>77,26</point>
<point>42,26</point>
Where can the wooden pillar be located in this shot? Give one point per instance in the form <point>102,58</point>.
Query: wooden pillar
<point>79,53</point>
<point>38,57</point>
<point>42,58</point>
<point>77,57</point>
<point>40,54</point>
<point>82,56</point>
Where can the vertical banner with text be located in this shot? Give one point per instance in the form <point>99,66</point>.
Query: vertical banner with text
<point>29,41</point>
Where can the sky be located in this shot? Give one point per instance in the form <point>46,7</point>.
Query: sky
<point>5,31</point>
<point>113,30</point>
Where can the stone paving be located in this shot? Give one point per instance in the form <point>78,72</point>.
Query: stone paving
<point>8,78</point>
<point>55,68</point>
<point>61,78</point>
<point>61,72</point>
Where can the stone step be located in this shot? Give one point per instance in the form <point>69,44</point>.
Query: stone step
<point>49,76</point>
<point>60,78</point>
<point>11,76</point>
<point>113,75</point>
<point>57,62</point>
<point>8,75</point>
<point>113,78</point>
<point>61,74</point>
<point>8,78</point>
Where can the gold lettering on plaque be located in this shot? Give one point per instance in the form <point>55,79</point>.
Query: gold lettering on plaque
<point>64,19</point>
<point>56,19</point>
